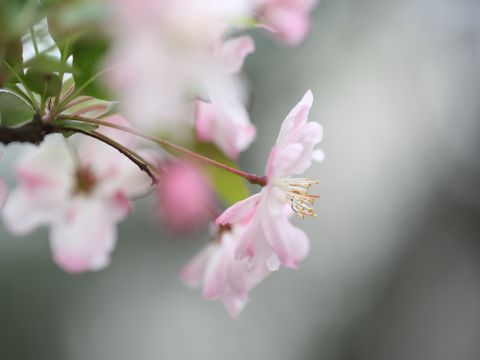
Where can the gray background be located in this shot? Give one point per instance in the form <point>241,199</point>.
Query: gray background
<point>394,271</point>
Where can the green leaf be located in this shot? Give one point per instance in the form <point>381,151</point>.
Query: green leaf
<point>230,187</point>
<point>70,124</point>
<point>16,16</point>
<point>40,81</point>
<point>93,108</point>
<point>13,110</point>
<point>48,63</point>
<point>88,54</point>
<point>11,54</point>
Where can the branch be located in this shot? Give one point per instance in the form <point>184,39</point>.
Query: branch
<point>32,132</point>
<point>132,156</point>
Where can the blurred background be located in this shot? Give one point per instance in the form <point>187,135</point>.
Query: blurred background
<point>394,271</point>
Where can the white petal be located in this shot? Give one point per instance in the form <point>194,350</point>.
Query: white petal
<point>84,237</point>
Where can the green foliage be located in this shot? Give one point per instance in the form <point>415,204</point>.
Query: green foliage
<point>69,20</point>
<point>11,53</point>
<point>88,54</point>
<point>41,82</point>
<point>16,16</point>
<point>13,110</point>
<point>48,63</point>
<point>73,125</point>
<point>230,188</point>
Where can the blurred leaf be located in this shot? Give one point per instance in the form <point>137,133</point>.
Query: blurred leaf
<point>48,63</point>
<point>40,81</point>
<point>74,125</point>
<point>70,20</point>
<point>12,54</point>
<point>13,110</point>
<point>16,16</point>
<point>230,188</point>
<point>93,108</point>
<point>88,54</point>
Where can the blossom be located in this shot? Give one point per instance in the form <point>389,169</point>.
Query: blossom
<point>221,275</point>
<point>269,236</point>
<point>288,20</point>
<point>3,192</point>
<point>224,119</point>
<point>80,197</point>
<point>184,197</point>
<point>162,53</point>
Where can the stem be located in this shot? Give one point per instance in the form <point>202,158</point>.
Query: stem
<point>63,59</point>
<point>61,106</point>
<point>43,100</point>
<point>252,178</point>
<point>20,80</point>
<point>34,41</point>
<point>135,158</point>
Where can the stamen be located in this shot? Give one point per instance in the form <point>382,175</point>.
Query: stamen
<point>296,191</point>
<point>84,181</point>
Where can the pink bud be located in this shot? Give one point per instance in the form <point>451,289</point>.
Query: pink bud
<point>185,197</point>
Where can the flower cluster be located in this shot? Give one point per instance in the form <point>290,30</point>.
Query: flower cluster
<point>173,68</point>
<point>255,235</point>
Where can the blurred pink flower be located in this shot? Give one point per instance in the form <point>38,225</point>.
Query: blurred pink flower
<point>81,198</point>
<point>288,20</point>
<point>269,236</point>
<point>224,120</point>
<point>221,275</point>
<point>184,197</point>
<point>162,56</point>
<point>3,192</point>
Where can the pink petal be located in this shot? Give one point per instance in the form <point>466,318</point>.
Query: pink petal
<point>204,120</point>
<point>289,243</point>
<point>239,211</point>
<point>235,303</point>
<point>3,192</point>
<point>216,276</point>
<point>290,27</point>
<point>184,197</point>
<point>234,52</point>
<point>228,128</point>
<point>296,118</point>
<point>193,273</point>
<point>47,167</point>
<point>24,210</point>
<point>84,237</point>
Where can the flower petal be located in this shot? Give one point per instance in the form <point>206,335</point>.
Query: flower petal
<point>3,192</point>
<point>234,52</point>
<point>193,273</point>
<point>215,275</point>
<point>289,242</point>
<point>296,118</point>
<point>239,211</point>
<point>24,212</point>
<point>84,237</point>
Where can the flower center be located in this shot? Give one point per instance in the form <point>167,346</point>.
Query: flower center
<point>296,191</point>
<point>84,181</point>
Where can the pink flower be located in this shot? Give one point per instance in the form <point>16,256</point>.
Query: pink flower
<point>288,20</point>
<point>269,236</point>
<point>224,120</point>
<point>221,275</point>
<point>185,197</point>
<point>81,197</point>
<point>3,192</point>
<point>162,54</point>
